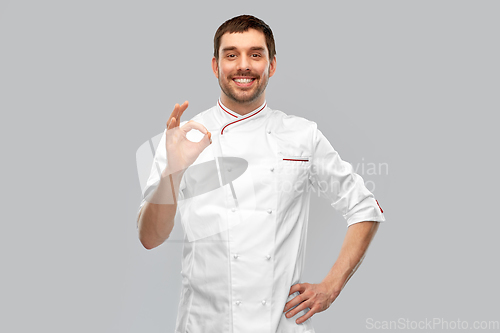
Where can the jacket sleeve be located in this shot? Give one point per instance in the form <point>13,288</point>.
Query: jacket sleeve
<point>158,164</point>
<point>336,181</point>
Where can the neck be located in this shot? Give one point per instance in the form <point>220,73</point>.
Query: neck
<point>242,108</point>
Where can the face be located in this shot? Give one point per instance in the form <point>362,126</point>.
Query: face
<point>243,69</point>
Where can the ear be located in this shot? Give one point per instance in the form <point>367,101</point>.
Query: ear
<point>272,67</point>
<point>215,67</point>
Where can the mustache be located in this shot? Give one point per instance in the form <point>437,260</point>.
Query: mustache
<point>245,74</point>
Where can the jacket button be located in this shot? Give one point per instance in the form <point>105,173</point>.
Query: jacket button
<point>233,209</point>
<point>236,255</point>
<point>268,257</point>
<point>269,211</point>
<point>272,169</point>
<point>263,302</point>
<point>238,303</point>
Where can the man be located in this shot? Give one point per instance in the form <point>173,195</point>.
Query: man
<point>245,239</point>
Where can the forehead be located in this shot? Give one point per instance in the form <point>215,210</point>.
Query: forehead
<point>243,40</point>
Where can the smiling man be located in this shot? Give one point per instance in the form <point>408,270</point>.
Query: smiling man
<point>244,248</point>
<point>243,64</point>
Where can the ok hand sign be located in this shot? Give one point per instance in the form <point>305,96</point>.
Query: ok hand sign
<point>181,152</point>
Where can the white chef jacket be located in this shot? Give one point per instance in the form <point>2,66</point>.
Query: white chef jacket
<point>244,242</point>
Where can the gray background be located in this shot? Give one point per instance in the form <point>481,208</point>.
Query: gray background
<point>413,84</point>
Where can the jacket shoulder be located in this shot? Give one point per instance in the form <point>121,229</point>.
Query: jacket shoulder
<point>289,123</point>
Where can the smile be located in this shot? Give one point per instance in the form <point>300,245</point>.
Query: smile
<point>244,82</point>
<point>248,80</point>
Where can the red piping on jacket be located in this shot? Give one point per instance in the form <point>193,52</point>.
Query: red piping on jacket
<point>292,159</point>
<point>222,130</point>
<point>229,113</point>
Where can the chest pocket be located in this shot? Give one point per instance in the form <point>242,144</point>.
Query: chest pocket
<point>293,173</point>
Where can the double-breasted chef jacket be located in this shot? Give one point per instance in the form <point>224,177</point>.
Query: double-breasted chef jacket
<point>245,240</point>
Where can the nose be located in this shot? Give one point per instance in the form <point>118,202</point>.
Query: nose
<point>243,64</point>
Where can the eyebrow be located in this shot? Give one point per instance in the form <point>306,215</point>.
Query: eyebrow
<point>257,48</point>
<point>253,48</point>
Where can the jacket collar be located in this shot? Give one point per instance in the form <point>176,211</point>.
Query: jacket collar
<point>232,117</point>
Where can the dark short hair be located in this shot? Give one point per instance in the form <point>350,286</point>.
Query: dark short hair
<point>241,24</point>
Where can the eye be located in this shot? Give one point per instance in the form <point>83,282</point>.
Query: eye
<point>256,55</point>
<point>231,56</point>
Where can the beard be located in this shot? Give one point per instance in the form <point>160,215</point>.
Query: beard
<point>243,95</point>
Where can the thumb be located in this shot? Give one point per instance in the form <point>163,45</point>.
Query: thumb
<point>205,141</point>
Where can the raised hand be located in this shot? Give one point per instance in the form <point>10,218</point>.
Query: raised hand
<point>181,152</point>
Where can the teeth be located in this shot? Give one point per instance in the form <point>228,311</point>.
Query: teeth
<point>243,80</point>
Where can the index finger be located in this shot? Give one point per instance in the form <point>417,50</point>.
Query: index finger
<point>296,287</point>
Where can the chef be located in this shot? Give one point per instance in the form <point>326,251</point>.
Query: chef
<point>239,177</point>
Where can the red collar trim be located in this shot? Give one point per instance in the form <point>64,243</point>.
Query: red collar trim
<point>249,116</point>
<point>229,113</point>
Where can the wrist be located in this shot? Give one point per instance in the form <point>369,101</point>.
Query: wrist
<point>176,174</point>
<point>335,281</point>
<point>334,288</point>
